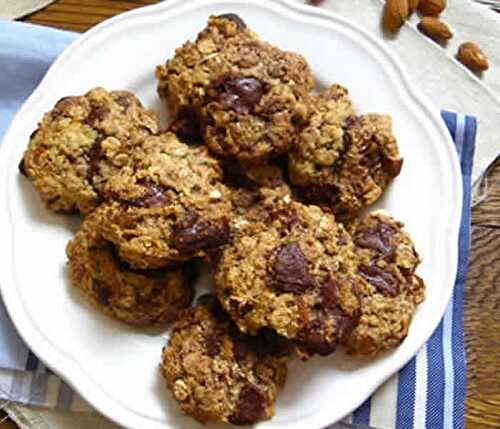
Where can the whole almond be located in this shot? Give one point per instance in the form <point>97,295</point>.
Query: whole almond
<point>395,14</point>
<point>431,7</point>
<point>471,56</point>
<point>434,28</point>
<point>412,5</point>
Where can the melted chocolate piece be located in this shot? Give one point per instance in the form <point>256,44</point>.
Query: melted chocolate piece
<point>289,271</point>
<point>392,166</point>
<point>97,113</point>
<point>22,168</point>
<point>153,198</point>
<point>93,158</point>
<point>235,18</point>
<point>213,344</point>
<point>102,294</point>
<point>240,94</point>
<point>193,233</point>
<point>250,407</point>
<point>379,238</point>
<point>383,281</point>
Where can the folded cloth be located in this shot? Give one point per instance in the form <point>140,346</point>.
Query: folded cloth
<point>428,392</point>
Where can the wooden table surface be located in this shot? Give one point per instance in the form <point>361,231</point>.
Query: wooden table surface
<point>482,305</point>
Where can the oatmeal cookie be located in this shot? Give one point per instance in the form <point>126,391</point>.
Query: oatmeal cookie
<point>392,291</point>
<point>138,297</point>
<point>293,272</point>
<point>82,142</point>
<point>217,374</point>
<point>250,95</point>
<point>168,205</point>
<point>344,161</point>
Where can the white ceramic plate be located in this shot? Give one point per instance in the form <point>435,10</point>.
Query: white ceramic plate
<point>115,367</point>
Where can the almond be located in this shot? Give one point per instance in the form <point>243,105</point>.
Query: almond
<point>434,28</point>
<point>412,5</point>
<point>395,14</point>
<point>431,7</point>
<point>471,56</point>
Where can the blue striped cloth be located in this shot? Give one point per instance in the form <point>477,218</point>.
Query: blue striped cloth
<point>428,392</point>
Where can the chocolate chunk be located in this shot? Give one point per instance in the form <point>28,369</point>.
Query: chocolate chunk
<point>289,271</point>
<point>385,282</point>
<point>213,344</point>
<point>344,324</point>
<point>329,294</point>
<point>93,158</point>
<point>235,18</point>
<point>22,168</point>
<point>328,194</point>
<point>250,407</point>
<point>102,294</point>
<point>153,198</point>
<point>392,166</point>
<point>193,233</point>
<point>241,94</point>
<point>97,113</point>
<point>379,237</point>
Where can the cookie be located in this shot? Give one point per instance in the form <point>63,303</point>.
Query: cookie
<point>343,161</point>
<point>250,96</point>
<point>392,291</point>
<point>292,272</point>
<point>217,374</point>
<point>82,142</point>
<point>138,297</point>
<point>168,205</point>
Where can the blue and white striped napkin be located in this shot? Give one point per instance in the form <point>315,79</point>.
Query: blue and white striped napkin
<point>428,392</point>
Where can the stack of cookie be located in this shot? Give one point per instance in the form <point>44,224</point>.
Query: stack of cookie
<point>256,177</point>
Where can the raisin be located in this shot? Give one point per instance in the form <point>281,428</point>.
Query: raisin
<point>289,271</point>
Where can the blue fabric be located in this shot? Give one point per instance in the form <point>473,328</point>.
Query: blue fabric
<point>26,52</point>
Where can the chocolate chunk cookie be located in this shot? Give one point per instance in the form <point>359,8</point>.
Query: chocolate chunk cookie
<point>138,297</point>
<point>293,272</point>
<point>392,290</point>
<point>250,95</point>
<point>344,161</point>
<point>217,374</point>
<point>82,142</point>
<point>167,205</point>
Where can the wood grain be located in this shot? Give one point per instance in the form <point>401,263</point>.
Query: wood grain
<point>482,322</point>
<point>482,307</point>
